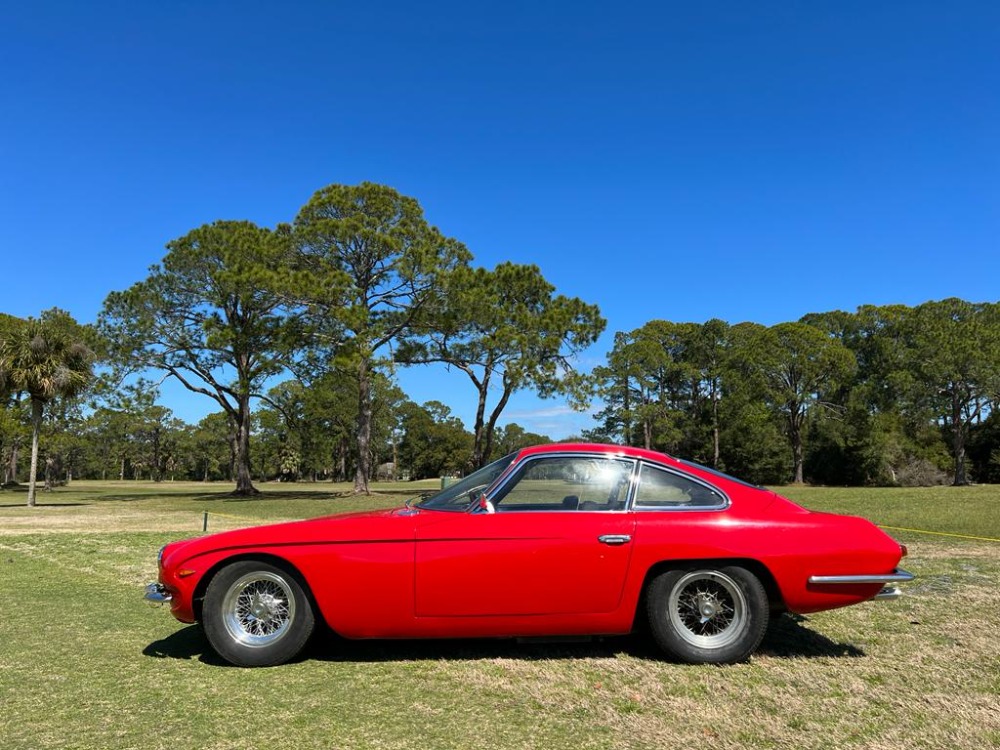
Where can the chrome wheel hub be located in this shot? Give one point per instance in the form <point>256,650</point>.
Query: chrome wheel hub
<point>265,606</point>
<point>708,606</point>
<point>258,609</point>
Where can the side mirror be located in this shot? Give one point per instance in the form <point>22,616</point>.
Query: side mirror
<point>486,505</point>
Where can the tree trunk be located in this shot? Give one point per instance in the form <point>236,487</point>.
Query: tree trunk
<point>36,426</point>
<point>626,412</point>
<point>15,450</point>
<point>157,476</point>
<point>491,425</point>
<point>958,440</point>
<point>15,454</point>
<point>241,449</point>
<point>797,454</point>
<point>479,450</point>
<point>362,472</point>
<point>715,426</point>
<point>49,471</point>
<point>233,438</point>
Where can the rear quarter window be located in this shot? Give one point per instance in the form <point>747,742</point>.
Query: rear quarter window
<point>660,489</point>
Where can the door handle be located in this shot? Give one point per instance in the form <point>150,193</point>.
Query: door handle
<point>614,539</point>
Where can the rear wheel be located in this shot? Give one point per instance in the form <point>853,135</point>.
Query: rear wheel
<point>256,614</point>
<point>708,616</point>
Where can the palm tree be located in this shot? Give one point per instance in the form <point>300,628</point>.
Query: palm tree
<point>44,359</point>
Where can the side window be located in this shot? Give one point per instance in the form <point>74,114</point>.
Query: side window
<point>660,490</point>
<point>567,483</point>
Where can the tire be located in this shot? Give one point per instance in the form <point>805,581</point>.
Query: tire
<point>256,614</point>
<point>707,615</point>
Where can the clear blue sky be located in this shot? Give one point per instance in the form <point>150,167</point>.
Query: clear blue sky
<point>746,161</point>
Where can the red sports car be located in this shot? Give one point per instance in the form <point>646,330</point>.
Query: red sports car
<point>555,540</point>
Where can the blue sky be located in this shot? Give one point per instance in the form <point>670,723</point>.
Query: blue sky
<point>746,161</point>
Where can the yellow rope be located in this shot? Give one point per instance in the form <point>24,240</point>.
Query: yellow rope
<point>941,533</point>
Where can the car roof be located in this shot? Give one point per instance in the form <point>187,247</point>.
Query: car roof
<point>601,448</point>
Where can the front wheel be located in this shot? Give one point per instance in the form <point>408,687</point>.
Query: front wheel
<point>256,614</point>
<point>708,616</point>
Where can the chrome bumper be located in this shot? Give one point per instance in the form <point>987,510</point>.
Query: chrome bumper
<point>897,576</point>
<point>888,592</point>
<point>157,595</point>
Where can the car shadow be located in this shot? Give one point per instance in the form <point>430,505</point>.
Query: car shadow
<point>332,648</point>
<point>186,644</point>
<point>42,504</point>
<point>190,643</point>
<point>786,638</point>
<point>222,496</point>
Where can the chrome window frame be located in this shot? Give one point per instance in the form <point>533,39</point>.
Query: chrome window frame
<point>516,467</point>
<point>637,485</point>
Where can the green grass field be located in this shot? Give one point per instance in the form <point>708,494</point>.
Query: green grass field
<point>85,664</point>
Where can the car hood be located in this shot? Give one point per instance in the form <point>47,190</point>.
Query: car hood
<point>371,526</point>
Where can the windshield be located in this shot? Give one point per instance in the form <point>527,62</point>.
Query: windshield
<point>466,491</point>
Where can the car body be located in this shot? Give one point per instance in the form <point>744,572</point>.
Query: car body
<point>553,540</point>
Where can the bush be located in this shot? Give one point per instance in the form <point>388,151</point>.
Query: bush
<point>919,472</point>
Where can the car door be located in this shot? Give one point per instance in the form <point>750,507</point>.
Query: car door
<point>558,543</point>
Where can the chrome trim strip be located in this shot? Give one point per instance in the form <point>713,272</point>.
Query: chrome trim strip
<point>897,576</point>
<point>157,594</point>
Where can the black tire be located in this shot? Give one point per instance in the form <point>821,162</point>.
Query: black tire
<point>707,615</point>
<point>256,614</point>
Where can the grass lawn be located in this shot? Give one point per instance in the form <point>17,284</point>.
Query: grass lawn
<point>84,664</point>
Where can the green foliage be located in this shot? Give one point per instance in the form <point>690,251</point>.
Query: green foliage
<point>861,398</point>
<point>955,356</point>
<point>360,282</point>
<point>434,442</point>
<point>794,368</point>
<point>316,420</point>
<point>205,318</point>
<point>984,449</point>
<point>48,359</point>
<point>507,330</point>
<point>45,357</point>
<point>752,444</point>
<point>366,264</point>
<point>513,437</point>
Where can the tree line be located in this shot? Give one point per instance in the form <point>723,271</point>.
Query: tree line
<point>881,396</point>
<point>294,333</point>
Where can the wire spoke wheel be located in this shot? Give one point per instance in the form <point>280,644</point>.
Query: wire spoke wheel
<point>257,614</point>
<point>709,615</point>
<point>258,608</point>
<point>708,609</point>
